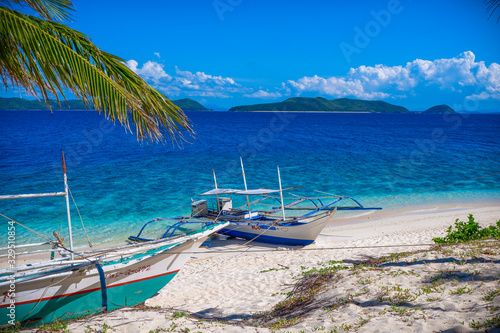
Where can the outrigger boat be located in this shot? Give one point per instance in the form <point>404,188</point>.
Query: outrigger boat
<point>74,283</point>
<point>272,224</point>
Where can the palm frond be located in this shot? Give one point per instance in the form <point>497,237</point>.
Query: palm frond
<point>48,9</point>
<point>46,57</point>
<point>492,6</point>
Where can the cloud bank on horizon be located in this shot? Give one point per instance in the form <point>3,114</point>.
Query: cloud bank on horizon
<point>462,76</point>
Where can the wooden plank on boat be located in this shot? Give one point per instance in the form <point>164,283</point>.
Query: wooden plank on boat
<point>35,195</point>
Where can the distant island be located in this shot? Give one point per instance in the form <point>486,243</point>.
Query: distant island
<point>15,103</point>
<point>295,104</point>
<point>320,104</point>
<point>443,108</point>
<point>188,104</point>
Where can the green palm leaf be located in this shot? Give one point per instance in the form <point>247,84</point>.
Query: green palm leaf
<point>492,6</point>
<point>48,9</point>
<point>47,58</point>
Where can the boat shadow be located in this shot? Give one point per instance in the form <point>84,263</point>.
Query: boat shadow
<point>232,244</point>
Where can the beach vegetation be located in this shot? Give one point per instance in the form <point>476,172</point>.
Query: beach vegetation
<point>12,328</point>
<point>460,291</point>
<point>365,281</point>
<point>468,231</point>
<point>179,315</point>
<point>286,294</point>
<point>274,269</point>
<point>487,323</point>
<point>103,329</point>
<point>363,321</point>
<point>323,270</point>
<point>392,296</point>
<point>58,326</point>
<point>285,322</point>
<point>491,295</point>
<point>47,59</point>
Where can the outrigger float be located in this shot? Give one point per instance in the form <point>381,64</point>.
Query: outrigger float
<point>74,283</point>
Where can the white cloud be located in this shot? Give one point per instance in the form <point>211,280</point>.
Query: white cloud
<point>157,54</point>
<point>338,87</point>
<point>150,71</point>
<point>461,74</point>
<point>186,82</point>
<point>380,81</point>
<point>263,94</point>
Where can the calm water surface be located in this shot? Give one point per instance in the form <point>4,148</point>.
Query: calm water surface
<point>118,183</point>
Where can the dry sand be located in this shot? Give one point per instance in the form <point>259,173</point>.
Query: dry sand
<point>230,284</point>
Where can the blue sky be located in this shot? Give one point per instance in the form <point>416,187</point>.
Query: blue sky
<point>232,52</point>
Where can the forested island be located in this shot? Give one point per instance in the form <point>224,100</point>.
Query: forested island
<point>185,104</point>
<point>320,104</point>
<point>295,104</point>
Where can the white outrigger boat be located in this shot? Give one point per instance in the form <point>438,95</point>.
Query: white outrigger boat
<point>272,224</point>
<point>75,283</point>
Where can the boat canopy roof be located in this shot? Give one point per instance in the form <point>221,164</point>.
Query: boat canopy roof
<point>219,191</point>
<point>260,191</point>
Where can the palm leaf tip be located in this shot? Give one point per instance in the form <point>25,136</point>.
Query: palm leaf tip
<point>492,6</point>
<point>51,10</point>
<point>48,58</point>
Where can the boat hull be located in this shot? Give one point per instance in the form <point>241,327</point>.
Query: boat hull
<point>303,233</point>
<point>130,280</point>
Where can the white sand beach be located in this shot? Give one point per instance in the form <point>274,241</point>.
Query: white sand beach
<point>225,287</point>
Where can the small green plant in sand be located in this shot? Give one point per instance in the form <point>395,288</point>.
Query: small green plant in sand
<point>323,270</point>
<point>13,328</point>
<point>488,323</point>
<point>284,323</point>
<point>56,326</point>
<point>460,291</point>
<point>104,329</point>
<point>179,314</point>
<point>467,231</point>
<point>491,295</point>
<point>274,269</point>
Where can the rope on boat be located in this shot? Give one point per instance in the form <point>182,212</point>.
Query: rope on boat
<point>29,229</point>
<point>336,248</point>
<point>41,297</point>
<point>83,226</point>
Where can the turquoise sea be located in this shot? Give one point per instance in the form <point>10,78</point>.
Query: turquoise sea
<point>118,183</point>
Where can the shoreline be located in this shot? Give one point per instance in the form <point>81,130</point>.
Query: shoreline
<point>349,220</point>
<point>230,282</point>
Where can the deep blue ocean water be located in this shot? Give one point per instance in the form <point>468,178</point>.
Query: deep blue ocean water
<point>119,183</point>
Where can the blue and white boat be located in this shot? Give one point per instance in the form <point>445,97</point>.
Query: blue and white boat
<point>72,283</point>
<point>262,221</point>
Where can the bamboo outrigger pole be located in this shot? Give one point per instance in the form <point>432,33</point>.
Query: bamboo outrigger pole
<point>281,196</point>
<point>53,194</point>
<point>217,202</point>
<point>66,190</point>
<point>245,181</point>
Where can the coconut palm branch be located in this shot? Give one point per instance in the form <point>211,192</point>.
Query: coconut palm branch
<point>492,6</point>
<point>48,58</point>
<point>48,9</point>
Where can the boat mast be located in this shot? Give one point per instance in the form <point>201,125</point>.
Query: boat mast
<point>215,181</point>
<point>53,194</point>
<point>66,191</point>
<point>281,196</point>
<point>245,181</point>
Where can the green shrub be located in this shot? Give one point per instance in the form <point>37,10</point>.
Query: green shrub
<point>467,231</point>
